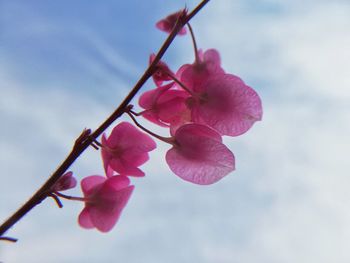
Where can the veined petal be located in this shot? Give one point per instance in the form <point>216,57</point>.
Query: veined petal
<point>106,215</point>
<point>199,156</point>
<point>227,105</point>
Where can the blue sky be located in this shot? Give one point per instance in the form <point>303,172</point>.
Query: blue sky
<point>65,66</point>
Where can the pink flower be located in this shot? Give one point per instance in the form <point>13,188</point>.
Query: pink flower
<point>209,64</point>
<point>162,73</point>
<point>165,106</point>
<point>105,198</point>
<point>226,104</point>
<point>167,24</point>
<point>126,149</point>
<point>199,156</point>
<point>67,181</point>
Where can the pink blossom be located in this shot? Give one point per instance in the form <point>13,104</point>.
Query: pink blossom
<point>199,156</point>
<point>162,73</point>
<point>67,181</point>
<point>126,149</point>
<point>105,198</point>
<point>165,106</point>
<point>207,65</point>
<point>167,24</point>
<point>226,104</point>
<point>149,101</point>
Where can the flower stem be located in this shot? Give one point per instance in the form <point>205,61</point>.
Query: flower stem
<point>56,199</point>
<point>164,139</point>
<point>68,197</point>
<point>194,43</point>
<point>183,86</point>
<point>81,145</point>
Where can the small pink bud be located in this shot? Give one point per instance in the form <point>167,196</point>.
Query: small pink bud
<point>67,181</point>
<point>162,73</point>
<point>167,24</point>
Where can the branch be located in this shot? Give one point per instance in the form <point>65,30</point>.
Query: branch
<point>82,144</point>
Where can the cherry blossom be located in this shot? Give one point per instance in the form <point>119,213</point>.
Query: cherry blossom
<point>167,24</point>
<point>199,156</point>
<point>67,181</point>
<point>126,149</point>
<point>105,198</point>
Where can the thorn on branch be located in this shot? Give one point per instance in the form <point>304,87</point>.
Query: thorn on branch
<point>129,108</point>
<point>83,136</point>
<point>86,135</point>
<point>95,143</point>
<point>9,239</point>
<point>94,146</point>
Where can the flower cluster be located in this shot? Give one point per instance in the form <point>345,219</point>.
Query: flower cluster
<point>199,103</point>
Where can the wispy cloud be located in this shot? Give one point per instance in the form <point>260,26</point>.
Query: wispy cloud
<point>288,199</point>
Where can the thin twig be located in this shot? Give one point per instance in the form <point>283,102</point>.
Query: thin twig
<point>164,139</point>
<point>9,239</point>
<point>56,199</point>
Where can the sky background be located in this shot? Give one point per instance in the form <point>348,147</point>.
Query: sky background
<point>66,65</point>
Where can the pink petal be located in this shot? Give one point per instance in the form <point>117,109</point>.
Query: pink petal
<point>149,101</point>
<point>106,156</point>
<point>84,219</point>
<point>193,75</point>
<point>197,130</point>
<point>172,106</point>
<point>211,58</point>
<point>106,215</point>
<point>125,168</point>
<point>135,158</point>
<point>90,183</point>
<point>166,105</point>
<point>109,171</point>
<point>199,156</point>
<point>229,106</point>
<point>116,183</point>
<point>149,98</point>
<point>153,117</point>
<point>125,136</point>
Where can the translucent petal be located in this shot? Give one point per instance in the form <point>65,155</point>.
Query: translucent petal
<point>227,105</point>
<point>84,219</point>
<point>199,156</point>
<point>89,184</point>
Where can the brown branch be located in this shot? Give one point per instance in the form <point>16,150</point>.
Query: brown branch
<point>81,144</point>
